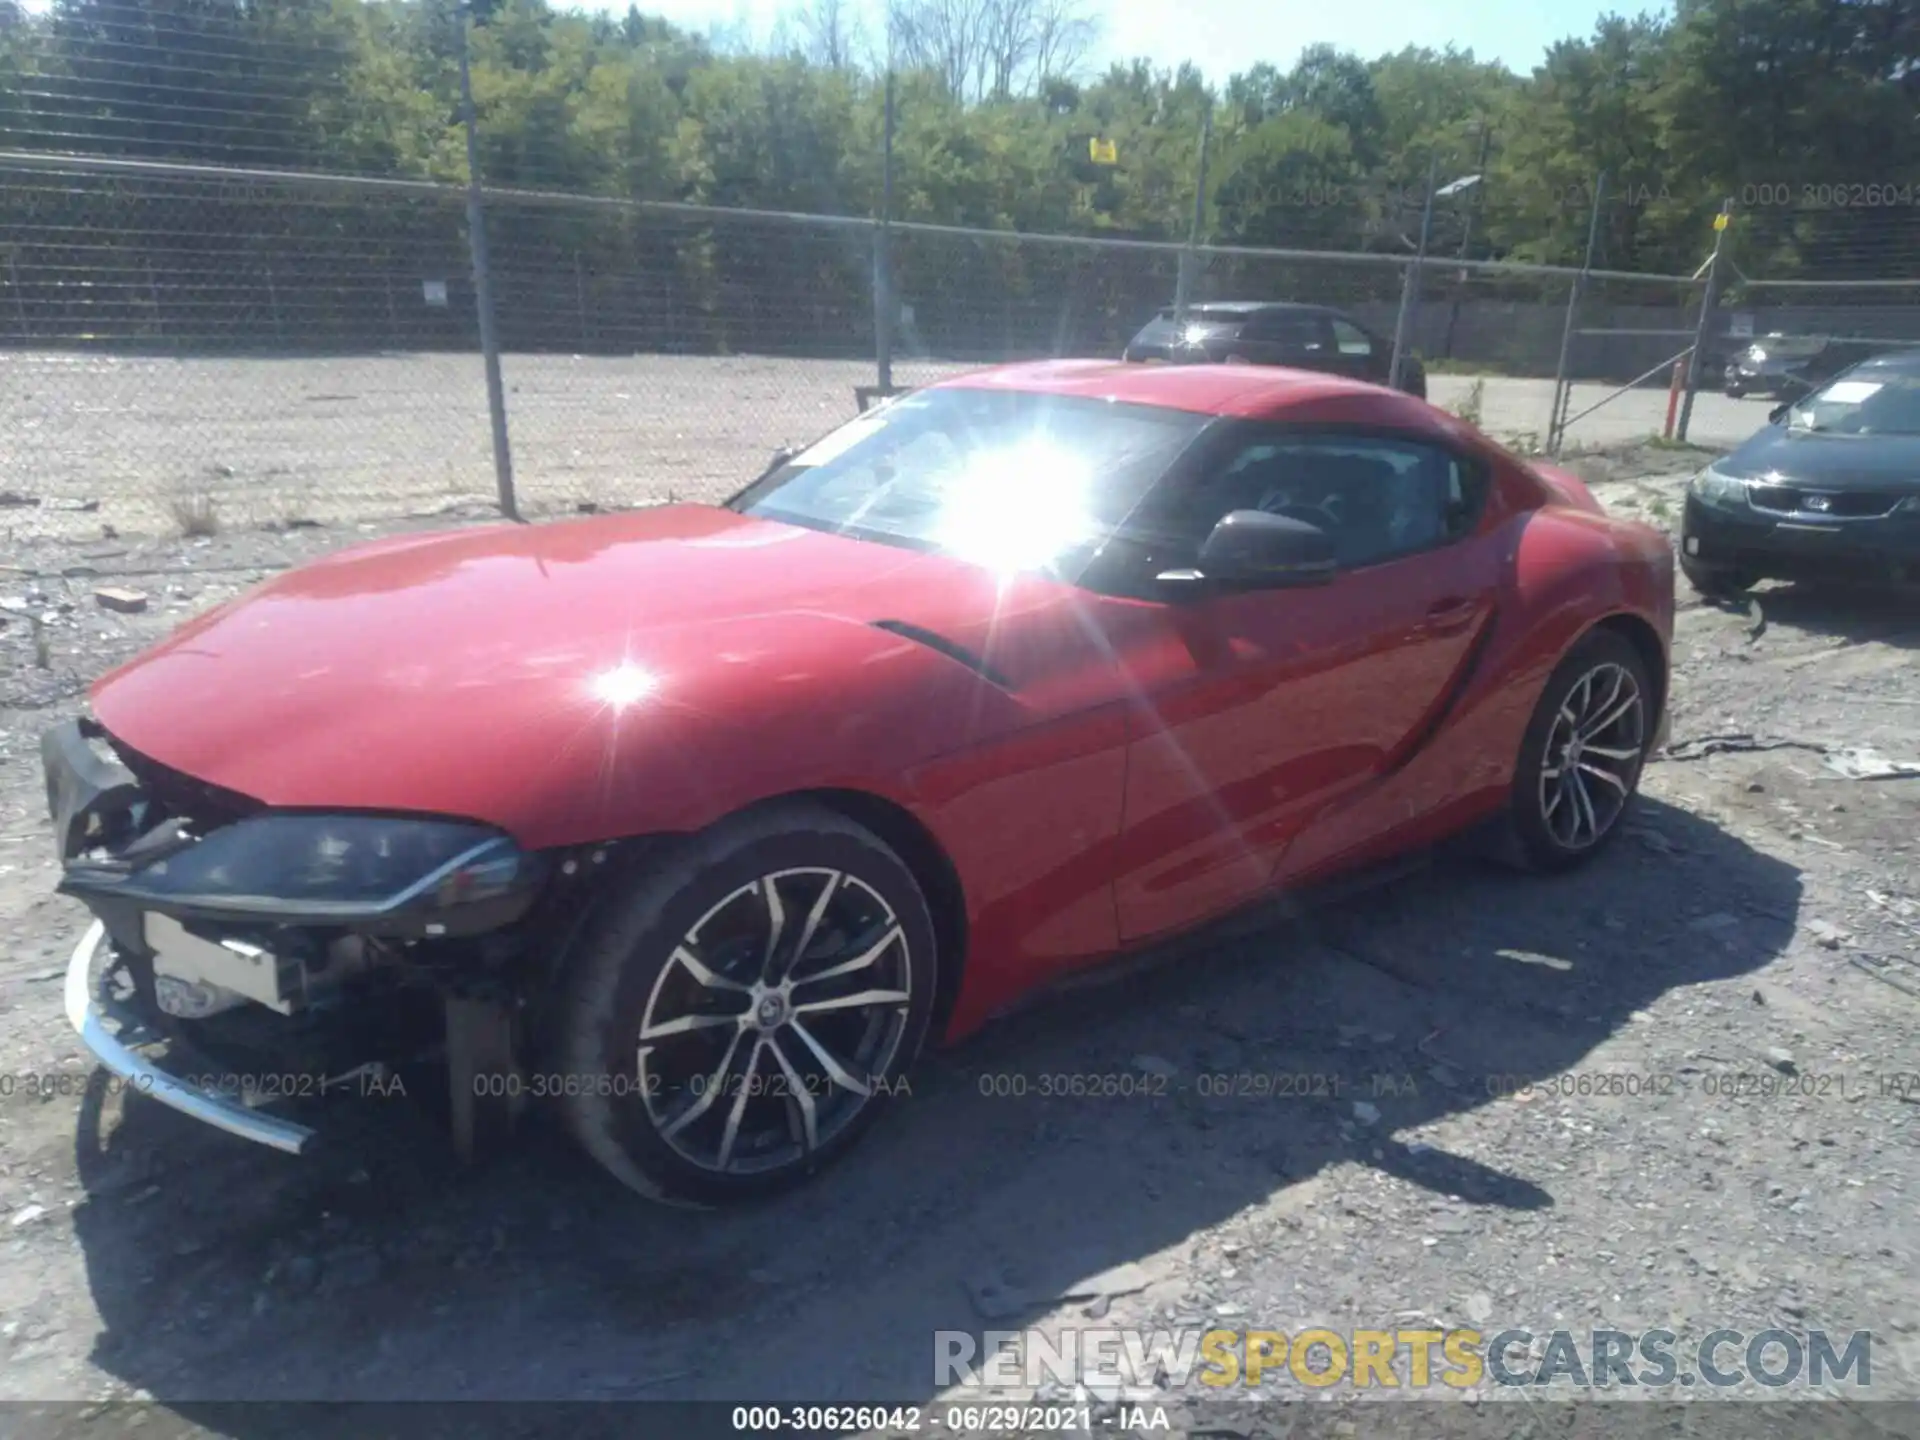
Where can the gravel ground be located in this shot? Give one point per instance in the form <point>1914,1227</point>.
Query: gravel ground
<point>1759,919</point>
<point>133,441</point>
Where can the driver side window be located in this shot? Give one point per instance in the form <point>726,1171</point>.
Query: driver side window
<point>1351,339</point>
<point>1378,498</point>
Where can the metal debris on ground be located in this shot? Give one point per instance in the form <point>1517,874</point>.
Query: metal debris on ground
<point>1878,967</point>
<point>1741,742</point>
<point>1861,762</point>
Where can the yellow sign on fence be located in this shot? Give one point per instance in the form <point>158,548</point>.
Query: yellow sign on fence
<point>1720,221</point>
<point>1103,152</point>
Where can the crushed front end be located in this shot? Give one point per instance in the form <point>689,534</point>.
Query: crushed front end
<point>277,955</point>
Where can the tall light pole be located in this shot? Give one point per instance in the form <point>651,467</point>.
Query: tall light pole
<point>1696,360</point>
<point>1477,182</point>
<point>883,242</point>
<point>483,281</point>
<point>1189,258</point>
<point>1410,283</point>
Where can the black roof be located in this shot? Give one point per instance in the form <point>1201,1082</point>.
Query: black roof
<point>1253,307</point>
<point>1248,307</point>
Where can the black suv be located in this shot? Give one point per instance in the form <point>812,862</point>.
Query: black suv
<point>1258,332</point>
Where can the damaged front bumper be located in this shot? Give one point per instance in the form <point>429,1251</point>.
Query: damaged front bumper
<point>102,1021</point>
<point>331,943</point>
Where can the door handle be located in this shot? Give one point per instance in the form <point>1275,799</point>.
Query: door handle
<point>1444,617</point>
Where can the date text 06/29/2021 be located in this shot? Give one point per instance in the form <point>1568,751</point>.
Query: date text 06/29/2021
<point>969,1420</point>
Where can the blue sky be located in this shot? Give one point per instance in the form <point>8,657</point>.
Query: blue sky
<point>1222,36</point>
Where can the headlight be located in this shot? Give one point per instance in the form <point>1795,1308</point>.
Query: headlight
<point>1717,489</point>
<point>324,869</point>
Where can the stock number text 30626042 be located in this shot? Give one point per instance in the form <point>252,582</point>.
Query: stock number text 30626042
<point>965,1420</point>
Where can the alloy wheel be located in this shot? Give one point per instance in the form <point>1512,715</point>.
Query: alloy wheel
<point>775,1021</point>
<point>1593,756</point>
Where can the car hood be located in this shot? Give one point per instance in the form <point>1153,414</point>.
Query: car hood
<point>573,681</point>
<point>1879,463</point>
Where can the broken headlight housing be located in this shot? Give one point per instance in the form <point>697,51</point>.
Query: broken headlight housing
<point>400,875</point>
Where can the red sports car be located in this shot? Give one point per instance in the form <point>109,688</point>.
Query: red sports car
<point>693,822</point>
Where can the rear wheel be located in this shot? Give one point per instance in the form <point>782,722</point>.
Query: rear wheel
<point>1581,759</point>
<point>739,1019</point>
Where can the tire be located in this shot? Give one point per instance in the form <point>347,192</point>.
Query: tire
<point>746,1101</point>
<point>1717,582</point>
<point>1548,835</point>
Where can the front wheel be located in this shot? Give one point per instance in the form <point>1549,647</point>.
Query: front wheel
<point>1581,758</point>
<point>737,1020</point>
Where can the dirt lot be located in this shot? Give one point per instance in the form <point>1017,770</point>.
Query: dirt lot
<point>124,440</point>
<point>1760,919</point>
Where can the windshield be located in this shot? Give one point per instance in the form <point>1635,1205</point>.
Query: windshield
<point>1786,347</point>
<point>1868,400</point>
<point>1009,479</point>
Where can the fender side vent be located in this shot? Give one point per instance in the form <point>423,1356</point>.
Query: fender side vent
<point>959,654</point>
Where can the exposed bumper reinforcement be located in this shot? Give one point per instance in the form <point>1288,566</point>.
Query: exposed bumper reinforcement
<point>88,1011</point>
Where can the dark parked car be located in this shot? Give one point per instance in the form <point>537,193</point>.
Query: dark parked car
<point>1831,488</point>
<point>1791,365</point>
<point>1255,332</point>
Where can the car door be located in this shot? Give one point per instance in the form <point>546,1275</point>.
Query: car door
<point>1255,711</point>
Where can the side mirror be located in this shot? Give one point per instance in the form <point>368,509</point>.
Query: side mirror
<point>1779,413</point>
<point>1250,548</point>
<point>778,458</point>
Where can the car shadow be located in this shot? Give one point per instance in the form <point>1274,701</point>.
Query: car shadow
<point>1098,1131</point>
<point>1856,613</point>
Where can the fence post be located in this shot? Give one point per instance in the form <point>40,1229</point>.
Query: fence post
<point>883,255</point>
<point>483,282</point>
<point>1707,303</point>
<point>153,295</point>
<point>1190,257</point>
<point>1562,380</point>
<point>1674,384</point>
<point>273,304</point>
<point>580,300</point>
<point>1410,282</point>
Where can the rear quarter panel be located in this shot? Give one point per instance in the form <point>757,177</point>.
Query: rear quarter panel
<point>1564,571</point>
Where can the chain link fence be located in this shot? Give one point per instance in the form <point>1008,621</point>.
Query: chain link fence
<point>190,345</point>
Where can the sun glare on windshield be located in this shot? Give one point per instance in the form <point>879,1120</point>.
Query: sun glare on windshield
<point>1014,507</point>
<point>1007,480</point>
